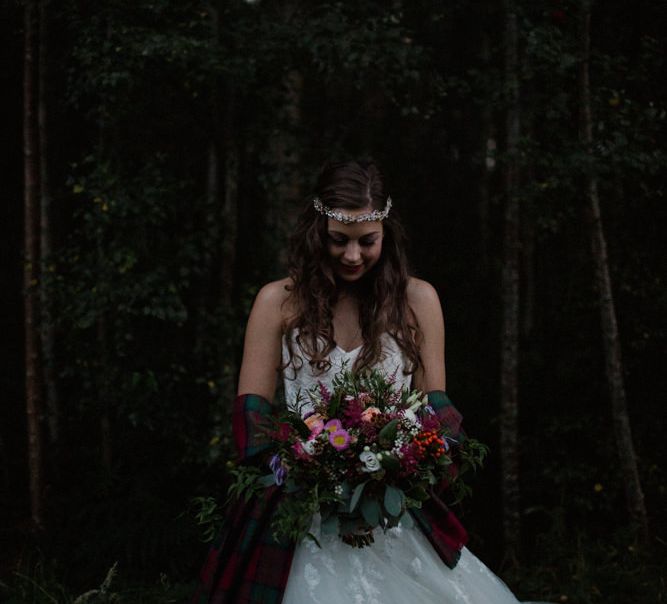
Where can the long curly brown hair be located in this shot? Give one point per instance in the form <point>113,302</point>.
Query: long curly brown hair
<point>382,292</point>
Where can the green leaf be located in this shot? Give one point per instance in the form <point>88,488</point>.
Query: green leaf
<point>330,525</point>
<point>393,500</point>
<point>267,480</point>
<point>370,510</point>
<point>389,462</point>
<point>388,433</point>
<point>358,490</point>
<point>407,521</point>
<point>419,493</point>
<point>313,538</point>
<point>291,486</point>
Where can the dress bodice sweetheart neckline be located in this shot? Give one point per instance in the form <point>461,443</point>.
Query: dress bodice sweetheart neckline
<point>299,375</point>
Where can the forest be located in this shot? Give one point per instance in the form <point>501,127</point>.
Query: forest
<point>159,153</point>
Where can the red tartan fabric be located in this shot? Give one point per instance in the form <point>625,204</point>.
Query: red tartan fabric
<point>247,565</point>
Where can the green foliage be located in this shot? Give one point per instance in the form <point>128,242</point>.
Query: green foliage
<point>38,583</point>
<point>246,482</point>
<point>208,516</point>
<point>148,336</point>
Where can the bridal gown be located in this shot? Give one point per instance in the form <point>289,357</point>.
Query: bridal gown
<point>401,567</point>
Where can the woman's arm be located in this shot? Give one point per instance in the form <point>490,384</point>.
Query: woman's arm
<point>425,303</point>
<point>263,342</point>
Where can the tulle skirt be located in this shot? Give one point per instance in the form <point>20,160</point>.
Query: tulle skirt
<point>400,567</point>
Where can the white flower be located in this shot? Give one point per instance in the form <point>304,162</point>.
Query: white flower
<point>416,400</point>
<point>308,447</point>
<point>370,461</point>
<point>410,415</point>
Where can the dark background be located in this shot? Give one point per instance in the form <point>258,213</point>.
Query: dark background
<point>155,263</point>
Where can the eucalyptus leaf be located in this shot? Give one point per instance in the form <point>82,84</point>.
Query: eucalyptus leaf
<point>267,480</point>
<point>407,521</point>
<point>371,511</point>
<point>291,486</point>
<point>356,494</point>
<point>393,500</point>
<point>330,525</point>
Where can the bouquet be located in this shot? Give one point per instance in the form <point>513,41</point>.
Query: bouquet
<point>363,456</point>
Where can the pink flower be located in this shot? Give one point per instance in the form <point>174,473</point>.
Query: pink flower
<point>369,414</point>
<point>325,393</point>
<point>333,425</point>
<point>352,412</point>
<point>340,439</point>
<point>302,450</point>
<point>315,424</point>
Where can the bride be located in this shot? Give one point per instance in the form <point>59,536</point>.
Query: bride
<point>348,301</point>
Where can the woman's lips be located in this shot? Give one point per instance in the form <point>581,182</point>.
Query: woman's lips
<point>351,269</point>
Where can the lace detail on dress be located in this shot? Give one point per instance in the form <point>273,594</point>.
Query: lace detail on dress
<point>401,565</point>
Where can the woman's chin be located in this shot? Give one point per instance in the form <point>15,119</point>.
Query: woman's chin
<point>350,275</point>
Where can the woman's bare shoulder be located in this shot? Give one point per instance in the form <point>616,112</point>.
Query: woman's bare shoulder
<point>275,291</point>
<point>421,294</point>
<point>272,299</point>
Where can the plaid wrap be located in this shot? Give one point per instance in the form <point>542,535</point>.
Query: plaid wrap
<point>246,565</point>
<point>451,419</point>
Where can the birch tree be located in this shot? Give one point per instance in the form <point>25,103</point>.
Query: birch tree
<point>31,270</point>
<point>611,341</point>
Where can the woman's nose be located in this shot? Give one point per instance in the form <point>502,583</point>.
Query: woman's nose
<point>352,253</point>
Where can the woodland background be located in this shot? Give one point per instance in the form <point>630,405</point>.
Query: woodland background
<point>158,153</point>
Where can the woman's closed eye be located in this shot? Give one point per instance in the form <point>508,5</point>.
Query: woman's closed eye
<point>337,240</point>
<point>363,241</point>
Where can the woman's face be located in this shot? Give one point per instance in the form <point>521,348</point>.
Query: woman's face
<point>354,248</point>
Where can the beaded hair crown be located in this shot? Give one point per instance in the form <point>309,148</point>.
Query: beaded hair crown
<point>349,219</point>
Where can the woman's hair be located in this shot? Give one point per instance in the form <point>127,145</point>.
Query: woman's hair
<point>383,305</point>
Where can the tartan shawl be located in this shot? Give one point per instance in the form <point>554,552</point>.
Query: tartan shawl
<point>246,565</point>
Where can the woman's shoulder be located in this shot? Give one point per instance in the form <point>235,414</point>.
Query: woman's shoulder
<point>272,299</point>
<point>275,291</point>
<point>421,294</point>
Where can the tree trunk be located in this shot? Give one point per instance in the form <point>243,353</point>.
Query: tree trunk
<point>47,331</point>
<point>223,198</point>
<point>488,144</point>
<point>230,212</point>
<point>612,347</point>
<point>285,152</point>
<point>527,249</point>
<point>510,301</point>
<point>31,272</point>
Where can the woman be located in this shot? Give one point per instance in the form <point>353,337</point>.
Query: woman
<point>348,301</point>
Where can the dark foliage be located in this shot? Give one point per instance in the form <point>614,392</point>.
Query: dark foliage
<point>149,333</point>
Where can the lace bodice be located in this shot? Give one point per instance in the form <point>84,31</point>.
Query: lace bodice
<point>301,376</point>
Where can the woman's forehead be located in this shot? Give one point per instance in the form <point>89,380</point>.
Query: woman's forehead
<point>354,229</point>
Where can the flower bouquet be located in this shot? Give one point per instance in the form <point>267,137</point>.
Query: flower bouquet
<point>363,455</point>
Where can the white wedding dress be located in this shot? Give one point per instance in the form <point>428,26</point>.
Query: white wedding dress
<point>401,567</point>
